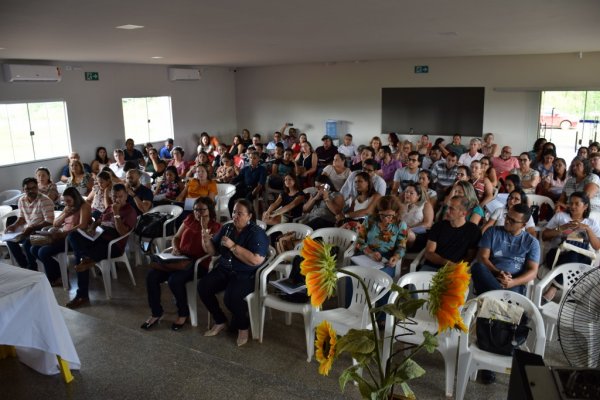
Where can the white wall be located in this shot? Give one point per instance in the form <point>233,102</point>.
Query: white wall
<point>307,95</point>
<point>96,117</point>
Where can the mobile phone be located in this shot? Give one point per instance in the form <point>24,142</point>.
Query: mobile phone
<point>326,186</point>
<point>290,124</point>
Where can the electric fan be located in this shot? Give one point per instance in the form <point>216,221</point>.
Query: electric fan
<point>579,322</point>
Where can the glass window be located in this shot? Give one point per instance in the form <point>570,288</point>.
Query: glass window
<point>33,131</point>
<point>147,119</point>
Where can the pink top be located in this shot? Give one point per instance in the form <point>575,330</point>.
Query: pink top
<point>503,166</point>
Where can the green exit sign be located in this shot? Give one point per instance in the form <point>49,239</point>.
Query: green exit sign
<point>92,76</point>
<point>421,69</point>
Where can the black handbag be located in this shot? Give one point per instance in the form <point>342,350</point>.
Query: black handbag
<point>501,337</point>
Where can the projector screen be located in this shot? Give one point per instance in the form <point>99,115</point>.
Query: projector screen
<point>433,111</point>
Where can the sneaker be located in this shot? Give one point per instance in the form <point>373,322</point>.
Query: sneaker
<point>487,376</point>
<point>78,302</point>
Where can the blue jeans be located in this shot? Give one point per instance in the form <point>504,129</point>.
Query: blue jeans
<point>45,253</point>
<point>26,260</point>
<point>82,247</point>
<point>484,281</point>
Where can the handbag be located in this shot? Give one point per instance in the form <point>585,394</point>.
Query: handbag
<point>501,327</point>
<point>40,240</point>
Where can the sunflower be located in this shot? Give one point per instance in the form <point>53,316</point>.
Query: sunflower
<point>447,295</point>
<point>325,343</point>
<point>319,269</point>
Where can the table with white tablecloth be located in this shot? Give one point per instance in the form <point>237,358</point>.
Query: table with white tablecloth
<point>31,320</point>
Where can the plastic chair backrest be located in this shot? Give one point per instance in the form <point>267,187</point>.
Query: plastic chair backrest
<point>299,229</point>
<point>570,272</point>
<point>344,238</point>
<point>9,194</point>
<point>378,283</point>
<point>173,210</point>
<point>5,210</point>
<point>225,189</point>
<point>5,217</point>
<point>536,340</point>
<point>310,190</point>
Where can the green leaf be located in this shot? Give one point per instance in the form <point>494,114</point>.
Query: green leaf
<point>345,377</point>
<point>357,341</point>
<point>408,370</point>
<point>351,374</point>
<point>407,391</point>
<point>403,294</point>
<point>430,341</point>
<point>395,311</point>
<point>411,306</point>
<point>382,393</point>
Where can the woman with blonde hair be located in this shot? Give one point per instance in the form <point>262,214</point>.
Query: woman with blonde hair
<point>79,179</point>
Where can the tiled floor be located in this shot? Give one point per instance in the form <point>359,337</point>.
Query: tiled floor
<point>119,360</point>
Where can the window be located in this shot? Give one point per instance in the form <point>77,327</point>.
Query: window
<point>33,131</point>
<point>569,119</point>
<point>147,119</point>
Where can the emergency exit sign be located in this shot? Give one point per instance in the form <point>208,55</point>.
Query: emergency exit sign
<point>92,76</point>
<point>421,69</point>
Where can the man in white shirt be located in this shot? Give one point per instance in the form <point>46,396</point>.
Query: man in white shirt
<point>369,166</point>
<point>410,173</point>
<point>471,155</point>
<point>348,149</point>
<point>118,167</point>
<point>273,143</point>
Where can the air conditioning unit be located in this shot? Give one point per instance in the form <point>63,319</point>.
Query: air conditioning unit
<point>31,73</point>
<point>184,74</point>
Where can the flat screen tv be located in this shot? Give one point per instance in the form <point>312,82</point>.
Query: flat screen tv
<point>434,111</point>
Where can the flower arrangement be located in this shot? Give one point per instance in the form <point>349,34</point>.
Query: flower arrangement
<point>446,296</point>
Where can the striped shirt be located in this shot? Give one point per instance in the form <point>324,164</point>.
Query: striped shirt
<point>41,209</point>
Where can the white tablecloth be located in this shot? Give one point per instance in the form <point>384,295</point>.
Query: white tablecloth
<point>31,321</point>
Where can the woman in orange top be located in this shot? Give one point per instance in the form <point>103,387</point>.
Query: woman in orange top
<point>199,186</point>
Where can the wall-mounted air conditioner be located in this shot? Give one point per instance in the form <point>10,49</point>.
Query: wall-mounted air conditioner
<point>184,74</point>
<point>31,73</point>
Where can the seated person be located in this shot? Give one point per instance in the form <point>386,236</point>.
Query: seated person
<point>65,174</point>
<point>574,225</point>
<point>45,184</point>
<point>326,152</point>
<point>227,171</point>
<point>221,151</point>
<point>118,167</point>
<point>417,213</point>
<point>201,159</point>
<point>498,217</point>
<point>280,167</point>
<point>410,173</point>
<point>322,207</point>
<point>427,187</point>
<point>382,234</point>
<point>76,215</point>
<point>338,173</point>
<point>387,165</point>
<point>116,221</point>
<point>250,182</point>
<point>553,184</point>
<point>139,196</point>
<point>133,154</point>
<point>508,257</point>
<point>178,162</point>
<point>169,187</point>
<point>145,179</point>
<point>199,186</point>
<point>289,202</point>
<point>306,164</point>
<point>444,172</point>
<point>464,189</point>
<point>165,151</point>
<point>243,247</point>
<point>453,239</point>
<point>99,198</point>
<point>369,166</point>
<point>155,166</point>
<point>186,242</point>
<point>364,202</point>
<point>79,179</point>
<point>35,212</point>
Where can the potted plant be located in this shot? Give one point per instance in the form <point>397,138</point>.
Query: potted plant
<point>375,378</point>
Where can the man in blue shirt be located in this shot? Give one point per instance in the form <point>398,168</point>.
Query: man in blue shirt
<point>165,151</point>
<point>508,255</point>
<point>251,180</point>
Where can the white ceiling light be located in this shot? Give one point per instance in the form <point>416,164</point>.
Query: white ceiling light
<point>129,26</point>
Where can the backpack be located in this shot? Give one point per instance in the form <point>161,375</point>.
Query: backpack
<point>150,226</point>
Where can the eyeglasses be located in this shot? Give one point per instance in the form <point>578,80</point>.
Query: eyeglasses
<point>387,215</point>
<point>200,209</point>
<point>511,220</point>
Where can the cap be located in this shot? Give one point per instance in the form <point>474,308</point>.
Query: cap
<point>326,137</point>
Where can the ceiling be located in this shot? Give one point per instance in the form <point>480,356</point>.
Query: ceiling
<point>239,33</point>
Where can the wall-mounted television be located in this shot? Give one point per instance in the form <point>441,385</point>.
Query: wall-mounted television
<point>434,111</point>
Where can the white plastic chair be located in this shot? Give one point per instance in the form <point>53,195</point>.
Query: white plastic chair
<point>190,288</point>
<point>356,315</point>
<point>108,265</point>
<point>225,193</point>
<point>261,223</point>
<point>3,219</point>
<point>270,300</point>
<point>173,211</point>
<point>421,322</point>
<point>571,273</point>
<point>538,200</point>
<point>345,239</point>
<point>10,197</point>
<point>301,232</point>
<point>471,358</point>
